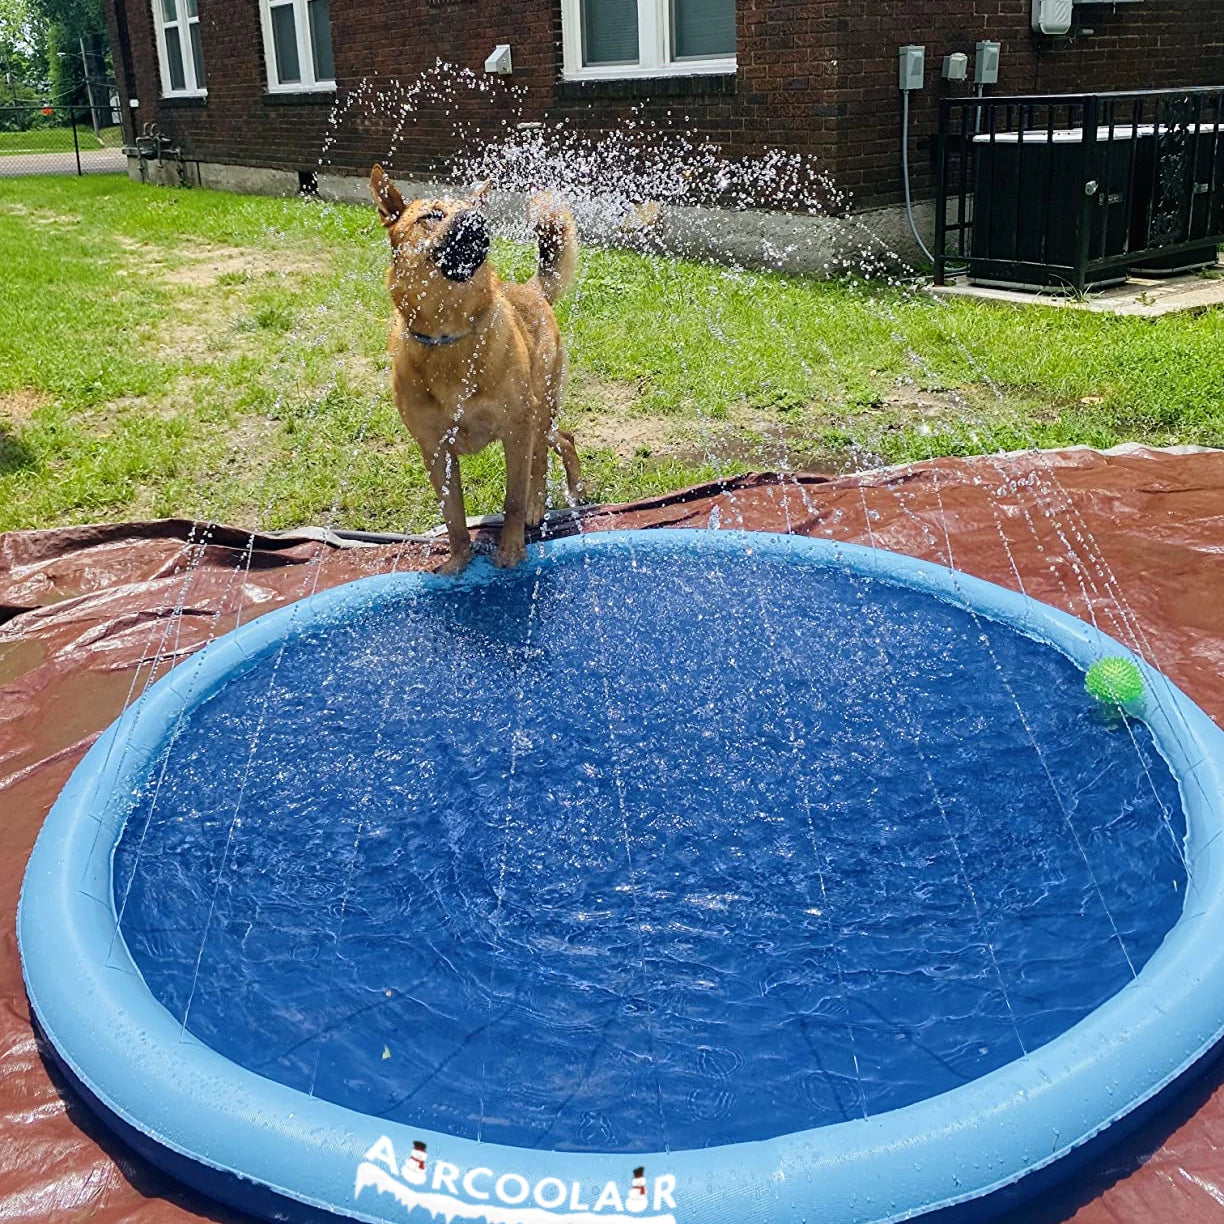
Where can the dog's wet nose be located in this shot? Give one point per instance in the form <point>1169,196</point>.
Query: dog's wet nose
<point>464,247</point>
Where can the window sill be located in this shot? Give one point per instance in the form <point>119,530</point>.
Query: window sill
<point>687,85</point>
<point>709,65</point>
<point>178,101</point>
<point>300,97</point>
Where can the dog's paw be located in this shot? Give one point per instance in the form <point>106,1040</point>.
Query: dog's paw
<point>456,563</point>
<point>509,555</point>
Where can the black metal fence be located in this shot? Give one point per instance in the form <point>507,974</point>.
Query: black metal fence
<point>47,139</point>
<point>1081,190</point>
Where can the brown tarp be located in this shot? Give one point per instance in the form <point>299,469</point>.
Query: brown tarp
<point>89,614</point>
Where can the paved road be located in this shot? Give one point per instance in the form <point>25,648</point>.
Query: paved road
<point>93,161</point>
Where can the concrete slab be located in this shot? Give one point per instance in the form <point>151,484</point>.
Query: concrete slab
<point>1139,298</point>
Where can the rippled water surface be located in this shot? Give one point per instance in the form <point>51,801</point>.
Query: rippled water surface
<point>636,853</point>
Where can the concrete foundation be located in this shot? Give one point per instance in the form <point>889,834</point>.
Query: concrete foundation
<point>868,243</point>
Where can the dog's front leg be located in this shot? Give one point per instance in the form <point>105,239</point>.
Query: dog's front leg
<point>512,547</point>
<point>443,465</point>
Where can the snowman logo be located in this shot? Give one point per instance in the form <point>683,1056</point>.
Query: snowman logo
<point>636,1200</point>
<point>414,1166</point>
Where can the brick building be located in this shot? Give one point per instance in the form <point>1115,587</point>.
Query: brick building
<point>254,82</point>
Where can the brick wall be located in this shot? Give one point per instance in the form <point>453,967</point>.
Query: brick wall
<point>1148,45</point>
<point>814,76</point>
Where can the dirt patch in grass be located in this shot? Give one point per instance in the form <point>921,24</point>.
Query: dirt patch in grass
<point>817,436</point>
<point>973,404</point>
<point>927,405</point>
<point>786,437</point>
<point>40,216</point>
<point>626,437</point>
<point>232,266</point>
<point>602,413</point>
<point>203,335</point>
<point>614,396</point>
<point>102,418</point>
<point>19,405</point>
<point>201,265</point>
<point>605,417</point>
<point>46,217</point>
<point>775,449</point>
<point>214,282</point>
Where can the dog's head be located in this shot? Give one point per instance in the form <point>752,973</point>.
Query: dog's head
<point>442,241</point>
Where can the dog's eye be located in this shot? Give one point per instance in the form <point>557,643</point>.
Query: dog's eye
<point>432,216</point>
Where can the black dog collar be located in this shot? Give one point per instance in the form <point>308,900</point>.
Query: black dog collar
<point>433,341</point>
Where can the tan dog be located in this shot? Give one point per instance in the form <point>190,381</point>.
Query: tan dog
<point>474,360</point>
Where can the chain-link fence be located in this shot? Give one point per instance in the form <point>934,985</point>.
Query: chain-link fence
<point>49,139</point>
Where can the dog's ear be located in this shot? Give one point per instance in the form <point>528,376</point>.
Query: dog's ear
<point>387,199</point>
<point>480,197</point>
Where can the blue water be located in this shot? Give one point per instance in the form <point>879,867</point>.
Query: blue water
<point>663,853</point>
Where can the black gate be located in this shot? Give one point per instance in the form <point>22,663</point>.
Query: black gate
<point>1079,190</point>
<point>47,139</point>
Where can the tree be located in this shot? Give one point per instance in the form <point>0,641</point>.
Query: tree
<point>67,22</point>
<point>23,52</point>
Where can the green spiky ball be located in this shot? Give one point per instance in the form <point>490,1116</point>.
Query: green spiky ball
<point>1115,681</point>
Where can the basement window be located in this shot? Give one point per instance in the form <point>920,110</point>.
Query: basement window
<point>179,53</point>
<point>613,39</point>
<point>297,45</point>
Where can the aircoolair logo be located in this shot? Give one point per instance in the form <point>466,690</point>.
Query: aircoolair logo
<point>449,1191</point>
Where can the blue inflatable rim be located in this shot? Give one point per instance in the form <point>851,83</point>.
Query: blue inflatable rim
<point>231,1127</point>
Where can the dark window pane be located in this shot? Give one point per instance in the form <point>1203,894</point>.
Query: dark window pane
<point>703,27</point>
<point>174,60</point>
<point>284,43</point>
<point>197,54</point>
<point>193,8</point>
<point>320,40</point>
<point>168,11</point>
<point>609,32</point>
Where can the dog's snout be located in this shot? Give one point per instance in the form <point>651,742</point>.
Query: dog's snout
<point>464,246</point>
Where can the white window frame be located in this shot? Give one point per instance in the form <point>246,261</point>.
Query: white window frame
<point>301,26</point>
<point>654,48</point>
<point>194,88</point>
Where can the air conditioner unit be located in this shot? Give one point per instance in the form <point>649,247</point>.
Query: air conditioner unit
<point>1178,198</point>
<point>1029,207</point>
<point>1152,191</point>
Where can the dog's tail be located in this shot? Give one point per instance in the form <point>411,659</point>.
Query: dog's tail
<point>558,241</point>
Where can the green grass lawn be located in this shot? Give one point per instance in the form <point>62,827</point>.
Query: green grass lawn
<point>58,140</point>
<point>195,353</point>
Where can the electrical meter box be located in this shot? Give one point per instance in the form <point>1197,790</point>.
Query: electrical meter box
<point>912,66</point>
<point>986,69</point>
